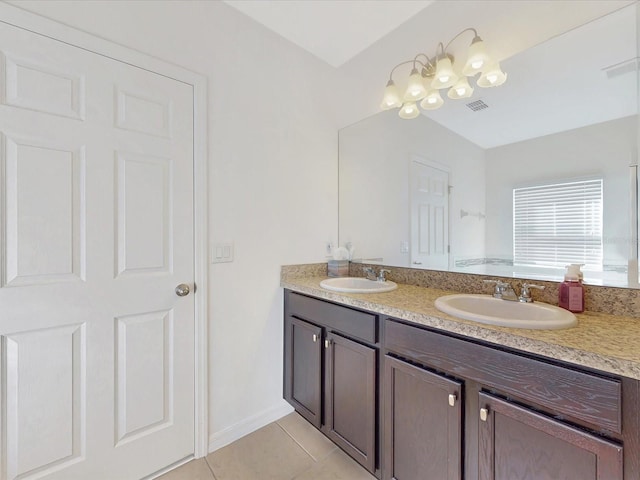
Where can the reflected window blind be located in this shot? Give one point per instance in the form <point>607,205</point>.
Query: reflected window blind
<point>558,224</point>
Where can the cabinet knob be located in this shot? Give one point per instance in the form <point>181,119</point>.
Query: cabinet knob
<point>452,399</point>
<point>484,414</point>
<point>327,343</point>
<point>315,338</point>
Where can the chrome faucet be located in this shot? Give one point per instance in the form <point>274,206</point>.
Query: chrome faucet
<point>370,273</point>
<point>381,274</point>
<point>525,294</point>
<point>503,290</point>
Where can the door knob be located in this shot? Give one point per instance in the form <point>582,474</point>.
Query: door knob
<point>182,290</point>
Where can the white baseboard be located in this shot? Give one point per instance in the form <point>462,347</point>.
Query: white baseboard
<point>244,427</point>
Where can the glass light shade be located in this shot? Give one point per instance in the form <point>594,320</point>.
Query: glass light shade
<point>492,76</point>
<point>432,101</point>
<point>391,98</point>
<point>462,89</point>
<point>477,58</point>
<point>445,77</point>
<point>409,110</point>
<point>415,88</point>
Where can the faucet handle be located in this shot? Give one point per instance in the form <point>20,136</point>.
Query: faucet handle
<point>525,294</point>
<point>370,273</point>
<point>381,274</point>
<point>500,287</point>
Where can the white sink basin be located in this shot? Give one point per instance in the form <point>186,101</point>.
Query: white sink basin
<point>357,285</point>
<point>494,311</point>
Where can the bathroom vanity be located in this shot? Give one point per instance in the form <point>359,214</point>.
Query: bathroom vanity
<point>411,393</point>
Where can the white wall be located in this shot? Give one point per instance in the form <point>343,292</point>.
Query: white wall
<point>273,167</point>
<point>375,156</point>
<point>605,149</point>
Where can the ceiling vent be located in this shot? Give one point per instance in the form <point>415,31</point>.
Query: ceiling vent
<point>477,105</point>
<point>622,68</point>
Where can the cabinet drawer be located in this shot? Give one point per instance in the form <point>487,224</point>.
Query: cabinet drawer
<point>351,322</point>
<point>582,396</point>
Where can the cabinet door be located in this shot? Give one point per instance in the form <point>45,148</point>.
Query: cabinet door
<point>423,424</point>
<point>517,444</point>
<point>303,369</point>
<point>350,398</point>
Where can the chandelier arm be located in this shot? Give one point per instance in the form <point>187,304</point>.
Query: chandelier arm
<point>424,65</point>
<point>414,61</point>
<point>475,33</point>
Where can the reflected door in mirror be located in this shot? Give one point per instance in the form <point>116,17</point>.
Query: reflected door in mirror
<point>429,216</point>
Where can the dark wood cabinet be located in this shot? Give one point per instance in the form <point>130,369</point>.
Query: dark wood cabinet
<point>330,372</point>
<point>423,423</point>
<point>350,397</point>
<point>305,388</point>
<point>517,443</point>
<point>524,418</point>
<point>414,403</point>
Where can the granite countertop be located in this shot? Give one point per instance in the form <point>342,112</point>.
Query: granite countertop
<point>604,342</point>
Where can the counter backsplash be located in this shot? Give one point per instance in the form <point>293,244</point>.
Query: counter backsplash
<point>614,301</point>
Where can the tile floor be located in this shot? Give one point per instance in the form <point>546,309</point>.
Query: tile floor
<point>289,449</point>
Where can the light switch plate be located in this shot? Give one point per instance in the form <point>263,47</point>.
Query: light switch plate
<point>222,252</point>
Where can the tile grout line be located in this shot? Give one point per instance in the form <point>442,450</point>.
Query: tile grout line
<point>210,467</point>
<point>297,442</point>
<point>316,460</point>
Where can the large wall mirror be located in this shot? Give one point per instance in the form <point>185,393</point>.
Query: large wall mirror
<point>452,189</point>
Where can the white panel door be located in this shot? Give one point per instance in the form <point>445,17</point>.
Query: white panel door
<point>429,217</point>
<point>96,218</point>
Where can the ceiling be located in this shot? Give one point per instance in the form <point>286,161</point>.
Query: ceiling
<point>333,30</point>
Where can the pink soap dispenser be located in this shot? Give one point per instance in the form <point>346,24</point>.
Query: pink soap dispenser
<point>571,295</point>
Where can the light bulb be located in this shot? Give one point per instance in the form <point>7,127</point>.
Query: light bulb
<point>415,87</point>
<point>492,76</point>
<point>477,58</point>
<point>391,98</point>
<point>409,110</point>
<point>432,101</point>
<point>444,76</point>
<point>462,89</point>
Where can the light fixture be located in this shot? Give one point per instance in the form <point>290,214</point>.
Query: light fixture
<point>444,77</point>
<point>461,89</point>
<point>432,101</point>
<point>409,110</point>
<point>477,57</point>
<point>429,74</point>
<point>415,87</point>
<point>391,97</point>
<point>492,76</point>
